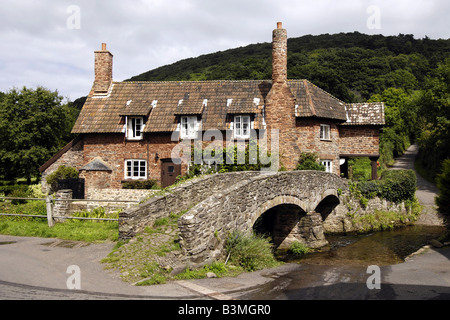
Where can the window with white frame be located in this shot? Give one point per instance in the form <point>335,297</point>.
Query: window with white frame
<point>328,164</point>
<point>135,126</point>
<point>189,127</point>
<point>325,132</point>
<point>135,169</point>
<point>242,126</point>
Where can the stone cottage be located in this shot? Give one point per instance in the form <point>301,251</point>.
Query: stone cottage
<point>127,130</point>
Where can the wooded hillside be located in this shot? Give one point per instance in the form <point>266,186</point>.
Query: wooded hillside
<point>412,77</point>
<point>351,66</point>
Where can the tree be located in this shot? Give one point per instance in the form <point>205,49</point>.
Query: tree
<point>443,183</point>
<point>34,125</point>
<point>434,105</point>
<point>401,120</point>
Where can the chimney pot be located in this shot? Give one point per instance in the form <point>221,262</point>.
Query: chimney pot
<point>279,25</point>
<point>103,46</point>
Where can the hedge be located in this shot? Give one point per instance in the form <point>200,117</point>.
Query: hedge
<point>395,186</point>
<point>443,184</point>
<point>140,184</point>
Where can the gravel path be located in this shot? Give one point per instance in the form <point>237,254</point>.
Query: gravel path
<point>426,191</point>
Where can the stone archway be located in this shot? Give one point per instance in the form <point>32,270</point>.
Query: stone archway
<point>286,219</point>
<point>330,200</point>
<point>281,224</point>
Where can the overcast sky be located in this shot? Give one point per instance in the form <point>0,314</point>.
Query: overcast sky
<point>51,43</point>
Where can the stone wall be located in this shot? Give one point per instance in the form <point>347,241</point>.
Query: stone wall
<point>114,149</point>
<point>176,199</point>
<point>308,140</point>
<point>71,158</point>
<point>344,218</point>
<point>204,228</point>
<point>359,140</point>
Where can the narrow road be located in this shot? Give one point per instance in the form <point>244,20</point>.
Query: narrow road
<point>426,191</point>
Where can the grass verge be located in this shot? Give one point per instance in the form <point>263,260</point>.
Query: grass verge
<point>78,230</point>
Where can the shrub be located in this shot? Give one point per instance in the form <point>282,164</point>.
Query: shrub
<point>395,186</point>
<point>62,172</point>
<point>398,185</point>
<point>140,184</point>
<point>370,189</point>
<point>299,249</point>
<point>309,161</point>
<point>250,251</point>
<point>443,184</point>
<point>35,191</point>
<point>19,193</point>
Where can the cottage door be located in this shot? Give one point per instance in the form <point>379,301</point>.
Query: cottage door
<point>169,172</point>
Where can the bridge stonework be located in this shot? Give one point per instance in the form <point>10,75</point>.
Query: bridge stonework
<point>297,197</point>
<point>291,206</point>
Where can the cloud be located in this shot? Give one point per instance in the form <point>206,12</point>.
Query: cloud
<point>42,44</point>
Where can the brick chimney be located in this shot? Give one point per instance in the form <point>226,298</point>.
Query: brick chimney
<point>279,54</point>
<point>103,70</point>
<point>280,103</point>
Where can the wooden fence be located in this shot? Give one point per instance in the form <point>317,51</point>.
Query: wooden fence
<point>50,203</point>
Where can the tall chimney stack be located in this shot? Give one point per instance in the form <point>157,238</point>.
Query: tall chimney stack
<point>103,70</point>
<point>279,54</point>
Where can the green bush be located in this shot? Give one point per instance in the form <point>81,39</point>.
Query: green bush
<point>62,172</point>
<point>250,251</point>
<point>443,184</point>
<point>395,186</point>
<point>298,249</point>
<point>399,185</point>
<point>309,161</point>
<point>140,184</point>
<point>19,193</point>
<point>8,189</point>
<point>371,189</point>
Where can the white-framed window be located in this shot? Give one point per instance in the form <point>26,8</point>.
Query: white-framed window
<point>242,125</point>
<point>135,126</point>
<point>189,127</point>
<point>135,169</point>
<point>328,164</point>
<point>325,132</point>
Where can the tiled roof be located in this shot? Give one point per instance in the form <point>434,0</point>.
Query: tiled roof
<point>365,114</point>
<point>311,101</point>
<point>216,101</point>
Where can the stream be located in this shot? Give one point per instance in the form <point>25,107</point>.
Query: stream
<point>339,271</point>
<point>380,248</point>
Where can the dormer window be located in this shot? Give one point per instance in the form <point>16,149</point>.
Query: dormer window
<point>189,127</point>
<point>135,126</point>
<point>242,125</point>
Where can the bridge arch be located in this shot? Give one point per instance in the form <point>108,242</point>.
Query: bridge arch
<point>329,201</point>
<point>279,218</point>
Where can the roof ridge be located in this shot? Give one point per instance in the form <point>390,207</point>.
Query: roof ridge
<point>193,81</point>
<point>327,93</point>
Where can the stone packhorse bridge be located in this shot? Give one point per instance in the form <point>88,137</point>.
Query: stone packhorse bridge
<point>287,205</point>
